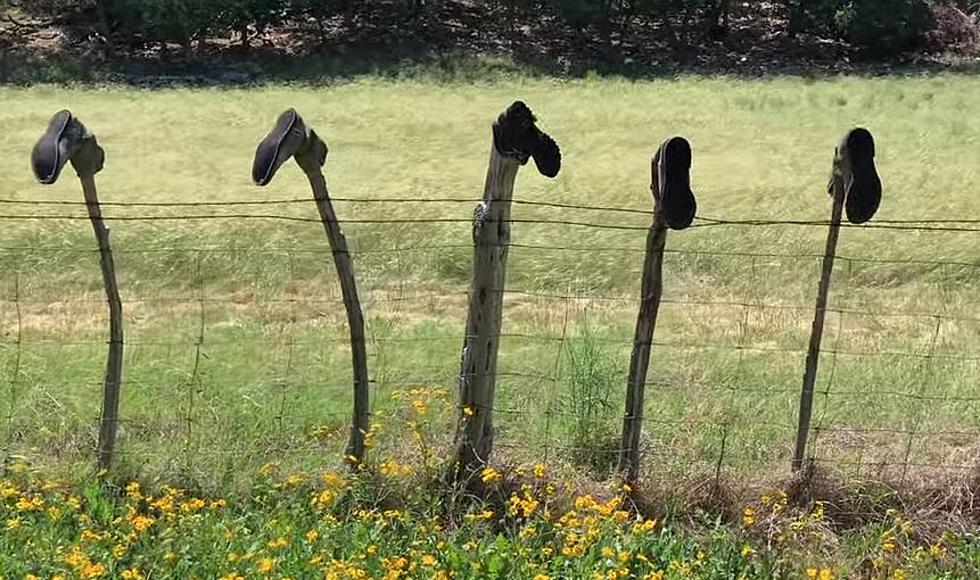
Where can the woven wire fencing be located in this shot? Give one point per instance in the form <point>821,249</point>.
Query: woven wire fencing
<point>237,351</point>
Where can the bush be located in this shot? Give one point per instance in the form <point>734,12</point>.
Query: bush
<point>884,26</point>
<point>817,16</point>
<point>954,31</point>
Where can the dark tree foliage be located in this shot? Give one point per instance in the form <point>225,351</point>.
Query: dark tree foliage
<point>884,26</point>
<point>879,25</point>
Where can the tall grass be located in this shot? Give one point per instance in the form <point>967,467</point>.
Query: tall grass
<point>592,387</point>
<point>273,375</point>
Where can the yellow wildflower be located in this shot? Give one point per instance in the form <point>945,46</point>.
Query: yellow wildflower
<point>332,479</point>
<point>266,565</point>
<point>277,543</point>
<point>193,505</point>
<point>748,517</point>
<point>92,571</point>
<point>141,523</point>
<point>30,504</point>
<point>489,475</point>
<point>325,498</point>
<point>133,490</point>
<point>132,574</point>
<point>293,480</point>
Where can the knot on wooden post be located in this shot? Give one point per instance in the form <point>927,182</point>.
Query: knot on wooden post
<point>515,135</point>
<point>289,138</point>
<point>66,139</point>
<point>671,183</point>
<point>854,172</point>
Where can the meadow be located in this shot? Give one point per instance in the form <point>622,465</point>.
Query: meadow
<point>236,353</point>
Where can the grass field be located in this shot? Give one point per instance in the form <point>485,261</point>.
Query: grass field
<point>236,351</point>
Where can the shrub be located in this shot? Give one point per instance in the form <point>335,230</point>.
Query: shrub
<point>818,16</point>
<point>953,31</point>
<point>884,26</point>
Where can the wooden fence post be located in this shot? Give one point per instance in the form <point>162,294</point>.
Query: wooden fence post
<point>68,140</point>
<point>291,138</point>
<point>674,208</point>
<point>853,182</point>
<point>515,139</point>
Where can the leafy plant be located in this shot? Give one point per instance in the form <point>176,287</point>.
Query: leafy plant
<point>592,377</point>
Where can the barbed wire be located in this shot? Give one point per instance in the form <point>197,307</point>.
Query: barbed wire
<point>726,432</point>
<point>918,225</point>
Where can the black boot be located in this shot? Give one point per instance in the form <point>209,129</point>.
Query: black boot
<point>674,174</point>
<point>863,193</point>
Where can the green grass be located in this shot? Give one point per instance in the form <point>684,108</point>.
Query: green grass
<point>292,525</point>
<point>270,378</point>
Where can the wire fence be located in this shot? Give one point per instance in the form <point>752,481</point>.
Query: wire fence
<point>237,350</point>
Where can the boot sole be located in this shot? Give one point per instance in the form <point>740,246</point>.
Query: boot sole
<point>677,199</point>
<point>264,167</point>
<point>864,191</point>
<point>46,157</point>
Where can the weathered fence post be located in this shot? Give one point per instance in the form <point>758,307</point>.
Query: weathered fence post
<point>853,183</point>
<point>68,140</point>
<point>291,138</point>
<point>516,138</point>
<point>674,208</point>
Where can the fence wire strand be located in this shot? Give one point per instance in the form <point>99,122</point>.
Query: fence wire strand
<point>715,409</point>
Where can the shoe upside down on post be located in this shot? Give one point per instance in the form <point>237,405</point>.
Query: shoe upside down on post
<point>855,189</point>
<point>674,208</point>
<point>516,139</point>
<point>291,138</point>
<point>67,139</point>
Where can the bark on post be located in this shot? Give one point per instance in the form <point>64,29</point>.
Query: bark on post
<point>291,138</point>
<point>853,182</point>
<point>68,140</point>
<point>646,322</point>
<point>674,207</point>
<point>515,140</point>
